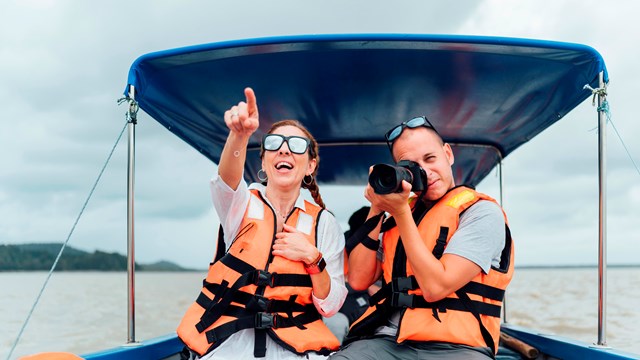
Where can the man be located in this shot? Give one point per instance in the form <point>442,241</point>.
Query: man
<point>445,257</point>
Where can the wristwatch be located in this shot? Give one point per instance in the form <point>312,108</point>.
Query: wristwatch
<point>316,266</point>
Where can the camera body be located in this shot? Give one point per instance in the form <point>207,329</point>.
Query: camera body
<point>387,179</point>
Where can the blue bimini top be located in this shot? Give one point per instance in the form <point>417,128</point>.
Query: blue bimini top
<point>485,95</point>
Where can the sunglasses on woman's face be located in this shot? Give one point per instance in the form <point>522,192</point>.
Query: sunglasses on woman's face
<point>297,144</point>
<point>396,131</point>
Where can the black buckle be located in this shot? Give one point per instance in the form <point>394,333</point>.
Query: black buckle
<point>211,336</point>
<point>262,302</point>
<point>402,300</point>
<point>265,321</point>
<point>401,284</point>
<point>264,278</point>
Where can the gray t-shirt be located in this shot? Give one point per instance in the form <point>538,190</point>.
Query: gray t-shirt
<point>480,238</point>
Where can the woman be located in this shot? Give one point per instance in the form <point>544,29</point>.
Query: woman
<point>283,266</point>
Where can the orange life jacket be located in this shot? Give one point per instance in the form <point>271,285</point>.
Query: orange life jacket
<point>470,316</point>
<point>52,356</point>
<point>248,287</point>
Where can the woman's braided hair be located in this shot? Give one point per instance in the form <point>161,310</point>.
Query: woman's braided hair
<point>312,186</point>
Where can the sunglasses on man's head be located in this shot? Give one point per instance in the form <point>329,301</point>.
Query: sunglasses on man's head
<point>396,131</point>
<point>297,144</point>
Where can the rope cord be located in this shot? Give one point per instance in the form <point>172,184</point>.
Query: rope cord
<point>55,263</point>
<point>605,107</point>
<point>607,111</point>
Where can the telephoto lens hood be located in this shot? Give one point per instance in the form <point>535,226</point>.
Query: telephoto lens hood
<point>387,179</point>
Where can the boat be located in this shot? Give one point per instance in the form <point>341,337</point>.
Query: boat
<point>487,96</point>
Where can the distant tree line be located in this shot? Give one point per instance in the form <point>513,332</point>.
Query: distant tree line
<point>40,257</point>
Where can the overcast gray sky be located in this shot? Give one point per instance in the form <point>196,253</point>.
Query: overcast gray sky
<point>64,64</point>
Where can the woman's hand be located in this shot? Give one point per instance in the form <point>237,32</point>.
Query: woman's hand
<point>293,245</point>
<point>243,119</point>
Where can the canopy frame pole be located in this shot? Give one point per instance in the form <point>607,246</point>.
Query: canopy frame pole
<point>500,187</point>
<point>602,210</point>
<point>132,120</point>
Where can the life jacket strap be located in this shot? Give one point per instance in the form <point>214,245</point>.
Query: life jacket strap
<point>473,309</point>
<point>395,293</point>
<point>256,303</point>
<point>264,278</point>
<point>255,277</point>
<point>412,301</point>
<point>214,310</point>
<point>399,284</point>
<point>236,264</point>
<point>361,235</point>
<point>366,326</point>
<point>260,321</point>
<point>441,242</point>
<point>483,290</point>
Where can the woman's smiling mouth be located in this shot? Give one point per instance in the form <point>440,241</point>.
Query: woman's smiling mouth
<point>284,165</point>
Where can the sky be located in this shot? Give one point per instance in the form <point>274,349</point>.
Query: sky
<point>64,64</point>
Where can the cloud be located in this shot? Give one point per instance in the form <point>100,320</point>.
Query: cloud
<point>65,63</point>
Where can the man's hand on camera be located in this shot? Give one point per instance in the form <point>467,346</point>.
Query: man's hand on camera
<point>394,203</point>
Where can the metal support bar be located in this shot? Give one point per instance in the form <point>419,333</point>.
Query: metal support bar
<point>602,234</point>
<point>131,312</point>
<point>504,300</point>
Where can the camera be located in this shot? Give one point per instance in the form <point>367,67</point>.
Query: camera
<point>387,179</point>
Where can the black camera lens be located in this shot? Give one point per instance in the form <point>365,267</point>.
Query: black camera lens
<point>387,179</point>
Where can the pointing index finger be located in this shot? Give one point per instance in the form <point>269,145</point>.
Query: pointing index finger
<point>252,104</point>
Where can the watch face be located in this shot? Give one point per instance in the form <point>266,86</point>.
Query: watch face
<point>321,264</point>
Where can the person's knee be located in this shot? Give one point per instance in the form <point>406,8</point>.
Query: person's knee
<point>367,349</point>
<point>338,324</point>
<point>346,354</point>
<point>338,356</point>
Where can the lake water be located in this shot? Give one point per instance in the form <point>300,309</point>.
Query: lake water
<point>85,312</point>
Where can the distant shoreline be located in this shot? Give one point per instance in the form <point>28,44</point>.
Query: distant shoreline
<point>524,267</point>
<point>592,266</point>
<point>42,256</point>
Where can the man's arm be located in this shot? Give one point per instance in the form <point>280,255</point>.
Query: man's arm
<point>478,240</point>
<point>436,278</point>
